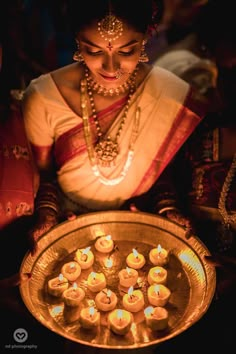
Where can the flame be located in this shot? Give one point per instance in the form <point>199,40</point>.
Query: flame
<point>159,248</point>
<point>128,270</point>
<point>135,252</point>
<point>91,311</point>
<point>149,311</point>
<point>130,291</point>
<point>86,250</point>
<point>108,237</point>
<point>119,314</point>
<point>109,263</point>
<point>60,277</point>
<point>157,289</point>
<point>75,286</point>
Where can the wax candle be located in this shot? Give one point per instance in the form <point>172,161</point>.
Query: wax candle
<point>133,301</point>
<point>96,281</point>
<point>89,317</point>
<point>156,318</point>
<point>57,285</point>
<point>71,270</point>
<point>104,244</point>
<point>128,277</point>
<point>73,295</point>
<point>157,275</point>
<point>159,256</point>
<point>120,321</point>
<point>106,300</point>
<point>135,260</point>
<point>158,294</point>
<point>84,257</point>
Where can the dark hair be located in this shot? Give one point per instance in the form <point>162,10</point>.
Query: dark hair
<point>137,13</point>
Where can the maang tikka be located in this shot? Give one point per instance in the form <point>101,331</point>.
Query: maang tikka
<point>110,28</point>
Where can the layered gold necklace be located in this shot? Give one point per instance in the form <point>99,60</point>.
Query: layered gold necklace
<point>106,150</point>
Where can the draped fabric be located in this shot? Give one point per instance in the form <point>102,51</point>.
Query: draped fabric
<point>17,172</point>
<point>167,118</point>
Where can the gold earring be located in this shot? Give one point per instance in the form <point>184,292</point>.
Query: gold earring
<point>77,55</point>
<point>143,55</point>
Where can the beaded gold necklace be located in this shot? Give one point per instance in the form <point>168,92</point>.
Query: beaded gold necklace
<point>228,219</point>
<point>110,151</point>
<point>107,149</point>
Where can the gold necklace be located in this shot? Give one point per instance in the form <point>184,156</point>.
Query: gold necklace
<point>107,149</point>
<point>103,91</point>
<point>228,218</point>
<point>88,138</point>
<point>225,238</point>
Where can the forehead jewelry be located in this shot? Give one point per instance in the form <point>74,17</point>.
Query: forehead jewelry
<point>110,28</point>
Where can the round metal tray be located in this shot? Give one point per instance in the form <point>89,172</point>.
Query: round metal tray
<point>191,280</point>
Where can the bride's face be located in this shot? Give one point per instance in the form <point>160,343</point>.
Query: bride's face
<point>110,63</point>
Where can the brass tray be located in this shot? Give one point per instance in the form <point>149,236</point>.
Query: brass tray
<point>191,280</point>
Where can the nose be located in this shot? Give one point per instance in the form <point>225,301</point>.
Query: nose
<point>110,64</point>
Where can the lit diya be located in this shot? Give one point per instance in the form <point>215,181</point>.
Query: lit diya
<point>156,317</point>
<point>89,317</point>
<point>84,257</point>
<point>71,270</point>
<point>104,244</point>
<point>157,275</point>
<point>96,281</point>
<point>135,259</point>
<point>158,294</point>
<point>159,256</point>
<point>106,300</point>
<point>120,321</point>
<point>128,277</point>
<point>73,295</point>
<point>133,301</point>
<point>58,285</point>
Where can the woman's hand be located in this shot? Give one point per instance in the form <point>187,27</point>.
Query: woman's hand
<point>13,280</point>
<point>176,216</point>
<point>46,219</point>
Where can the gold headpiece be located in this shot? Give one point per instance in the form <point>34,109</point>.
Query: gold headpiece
<point>110,28</point>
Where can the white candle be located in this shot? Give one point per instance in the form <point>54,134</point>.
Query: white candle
<point>135,260</point>
<point>57,285</point>
<point>96,281</point>
<point>84,257</point>
<point>156,318</point>
<point>159,256</point>
<point>133,301</point>
<point>104,244</point>
<point>89,317</point>
<point>158,294</point>
<point>120,321</point>
<point>71,270</point>
<point>157,275</point>
<point>73,296</point>
<point>128,277</point>
<point>106,300</point>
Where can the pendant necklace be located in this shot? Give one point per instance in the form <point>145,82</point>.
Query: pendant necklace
<point>226,235</point>
<point>109,148</point>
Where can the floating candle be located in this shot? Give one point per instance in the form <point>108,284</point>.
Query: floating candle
<point>156,318</point>
<point>133,301</point>
<point>158,294</point>
<point>84,257</point>
<point>120,321</point>
<point>73,295</point>
<point>157,275</point>
<point>96,281</point>
<point>106,300</point>
<point>104,244</point>
<point>135,260</point>
<point>71,270</point>
<point>89,317</point>
<point>57,285</point>
<point>159,256</point>
<point>128,277</point>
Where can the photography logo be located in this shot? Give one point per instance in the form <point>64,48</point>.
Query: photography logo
<point>20,335</point>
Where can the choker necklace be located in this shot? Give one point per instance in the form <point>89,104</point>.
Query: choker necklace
<point>228,219</point>
<point>108,147</point>
<point>103,91</point>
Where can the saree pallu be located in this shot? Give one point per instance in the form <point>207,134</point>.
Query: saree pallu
<point>167,119</point>
<point>18,177</point>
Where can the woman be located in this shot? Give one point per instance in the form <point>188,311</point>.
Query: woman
<point>106,127</point>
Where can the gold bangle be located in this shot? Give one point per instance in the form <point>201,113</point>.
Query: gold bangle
<point>163,210</point>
